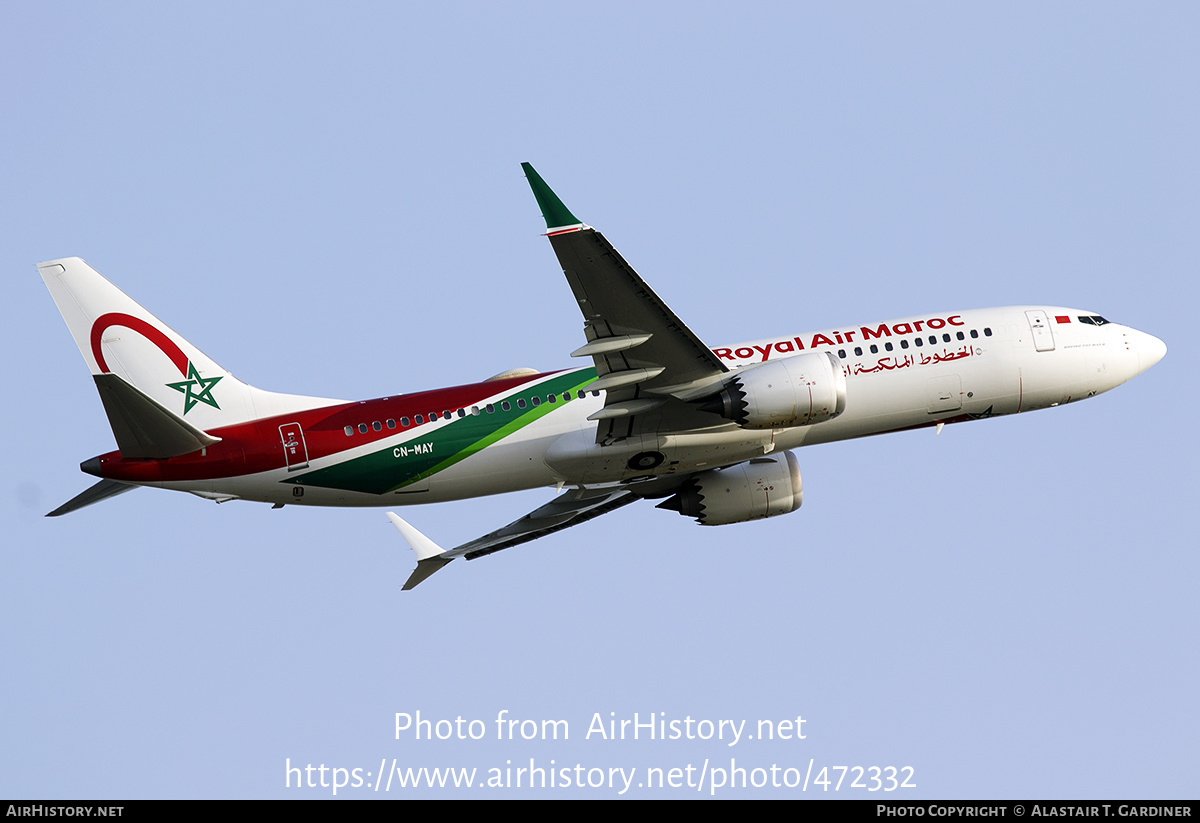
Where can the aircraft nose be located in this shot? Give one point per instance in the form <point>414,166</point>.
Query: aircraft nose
<point>1149,350</point>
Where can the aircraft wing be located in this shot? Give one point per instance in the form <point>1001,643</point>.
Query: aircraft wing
<point>649,365</point>
<point>568,509</point>
<point>648,361</point>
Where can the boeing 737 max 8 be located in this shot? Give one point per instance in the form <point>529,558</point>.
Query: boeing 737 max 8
<point>658,414</point>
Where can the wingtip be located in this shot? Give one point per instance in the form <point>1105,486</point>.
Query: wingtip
<point>556,215</point>
<point>429,554</point>
<point>422,546</point>
<point>423,570</point>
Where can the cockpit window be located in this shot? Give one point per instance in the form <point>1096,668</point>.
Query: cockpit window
<point>1092,320</point>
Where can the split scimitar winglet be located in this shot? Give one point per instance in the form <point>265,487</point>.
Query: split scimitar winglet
<point>428,553</point>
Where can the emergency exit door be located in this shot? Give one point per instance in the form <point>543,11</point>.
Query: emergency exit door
<point>295,452</point>
<point>1039,324</point>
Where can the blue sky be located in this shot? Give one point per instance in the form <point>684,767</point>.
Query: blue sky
<point>330,202</point>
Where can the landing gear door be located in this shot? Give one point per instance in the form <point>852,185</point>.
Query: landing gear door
<point>295,452</point>
<point>1039,324</point>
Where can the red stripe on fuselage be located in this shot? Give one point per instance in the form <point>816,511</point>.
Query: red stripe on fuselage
<point>256,446</point>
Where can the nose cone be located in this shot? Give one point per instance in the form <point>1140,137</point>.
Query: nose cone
<point>1149,350</point>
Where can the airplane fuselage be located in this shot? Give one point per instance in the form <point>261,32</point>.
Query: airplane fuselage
<point>533,430</point>
<point>656,415</point>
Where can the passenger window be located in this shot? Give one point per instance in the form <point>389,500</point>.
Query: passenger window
<point>887,346</point>
<point>858,351</point>
<point>974,333</point>
<point>490,408</point>
<point>504,405</point>
<point>904,343</point>
<point>919,342</point>
<point>475,411</point>
<point>842,353</point>
<point>961,336</point>
<point>404,422</point>
<point>535,400</point>
<point>377,426</point>
<point>445,414</point>
<point>520,402</point>
<point>987,331</point>
<point>462,413</point>
<point>362,427</point>
<point>420,418</point>
<point>349,431</point>
<point>391,424</point>
<point>874,349</point>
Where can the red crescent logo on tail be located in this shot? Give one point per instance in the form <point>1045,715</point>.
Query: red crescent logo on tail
<point>164,343</point>
<point>195,389</point>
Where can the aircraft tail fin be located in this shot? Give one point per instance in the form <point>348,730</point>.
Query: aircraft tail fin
<point>153,365</point>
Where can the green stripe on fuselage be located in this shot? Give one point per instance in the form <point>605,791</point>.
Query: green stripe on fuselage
<point>400,464</point>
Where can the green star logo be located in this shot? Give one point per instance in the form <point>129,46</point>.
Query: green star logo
<point>196,389</point>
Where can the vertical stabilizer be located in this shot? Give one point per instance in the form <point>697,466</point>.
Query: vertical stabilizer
<point>116,336</point>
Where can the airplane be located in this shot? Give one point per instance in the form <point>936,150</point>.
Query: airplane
<point>658,414</point>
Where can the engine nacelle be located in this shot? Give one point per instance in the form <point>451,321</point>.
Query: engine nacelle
<point>794,391</point>
<point>764,487</point>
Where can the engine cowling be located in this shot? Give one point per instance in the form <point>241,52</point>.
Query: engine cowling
<point>794,391</point>
<point>764,487</point>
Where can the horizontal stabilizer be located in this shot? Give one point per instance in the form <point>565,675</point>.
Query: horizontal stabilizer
<point>93,494</point>
<point>143,428</point>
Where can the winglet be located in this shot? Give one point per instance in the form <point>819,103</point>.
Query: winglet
<point>557,216</point>
<point>429,554</point>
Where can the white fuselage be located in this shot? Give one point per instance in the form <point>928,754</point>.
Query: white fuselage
<point>900,374</point>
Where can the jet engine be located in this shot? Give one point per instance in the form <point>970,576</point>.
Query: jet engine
<point>764,487</point>
<point>795,391</point>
